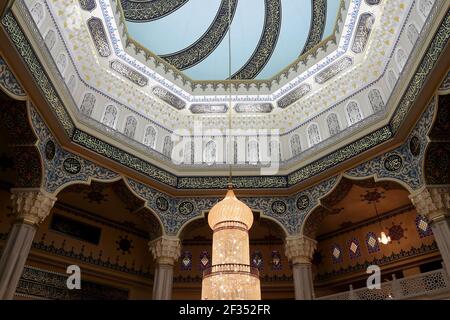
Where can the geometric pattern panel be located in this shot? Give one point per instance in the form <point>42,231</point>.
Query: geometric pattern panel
<point>372,243</point>
<point>423,227</point>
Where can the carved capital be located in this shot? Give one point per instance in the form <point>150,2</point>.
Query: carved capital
<point>165,249</point>
<point>432,202</point>
<point>31,205</point>
<point>300,249</point>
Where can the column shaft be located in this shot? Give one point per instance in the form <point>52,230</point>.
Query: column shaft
<point>441,231</point>
<point>303,283</point>
<point>14,256</point>
<point>162,284</point>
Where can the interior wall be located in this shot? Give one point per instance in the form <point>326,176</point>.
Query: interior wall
<point>409,248</point>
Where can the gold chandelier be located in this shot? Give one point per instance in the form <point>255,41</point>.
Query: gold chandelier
<point>230,277</point>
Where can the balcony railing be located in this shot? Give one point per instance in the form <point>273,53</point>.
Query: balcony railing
<point>231,268</point>
<point>431,283</point>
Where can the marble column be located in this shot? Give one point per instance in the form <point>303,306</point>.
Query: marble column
<point>166,250</point>
<point>433,202</point>
<point>30,207</point>
<point>299,250</point>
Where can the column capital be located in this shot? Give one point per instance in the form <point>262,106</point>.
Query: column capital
<point>300,248</point>
<point>31,205</point>
<point>165,249</point>
<point>432,202</point>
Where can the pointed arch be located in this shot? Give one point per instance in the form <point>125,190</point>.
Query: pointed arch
<point>110,116</point>
<point>149,136</point>
<point>129,128</point>
<point>333,124</point>
<point>296,147</point>
<point>354,113</point>
<point>88,104</point>
<point>313,134</point>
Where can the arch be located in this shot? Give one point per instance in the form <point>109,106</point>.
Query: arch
<point>273,145</point>
<point>333,124</point>
<point>126,188</point>
<point>313,134</point>
<point>130,125</point>
<point>203,216</point>
<point>412,33</point>
<point>252,152</point>
<point>425,7</point>
<point>323,208</point>
<point>296,147</point>
<point>167,146</point>
<point>376,100</point>
<point>72,83</point>
<point>37,12</point>
<point>50,39</point>
<point>210,154</point>
<point>61,62</point>
<point>353,112</point>
<point>401,59</point>
<point>149,136</point>
<point>110,116</point>
<point>88,104</point>
<point>392,79</point>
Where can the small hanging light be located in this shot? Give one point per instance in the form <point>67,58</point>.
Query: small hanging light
<point>383,238</point>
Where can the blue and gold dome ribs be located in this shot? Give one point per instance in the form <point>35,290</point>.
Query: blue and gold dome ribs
<point>266,35</point>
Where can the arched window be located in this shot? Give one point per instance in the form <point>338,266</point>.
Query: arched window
<point>313,134</point>
<point>252,152</point>
<point>413,34</point>
<point>296,146</point>
<point>353,113</point>
<point>72,83</point>
<point>50,39</point>
<point>274,145</point>
<point>37,12</point>
<point>401,58</point>
<point>109,117</point>
<point>149,137</point>
<point>61,62</point>
<point>167,146</point>
<point>333,124</point>
<point>425,7</point>
<point>189,152</point>
<point>88,104</point>
<point>210,153</point>
<point>376,100</point>
<point>130,127</point>
<point>392,79</point>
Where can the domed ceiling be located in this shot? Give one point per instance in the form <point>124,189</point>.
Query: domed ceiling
<point>265,35</point>
<point>140,79</point>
